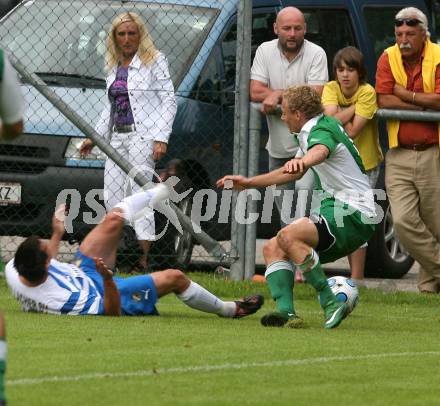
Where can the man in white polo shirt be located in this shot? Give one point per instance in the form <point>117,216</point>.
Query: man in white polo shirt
<point>278,64</point>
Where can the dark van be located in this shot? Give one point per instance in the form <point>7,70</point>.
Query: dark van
<point>63,42</point>
<point>7,5</point>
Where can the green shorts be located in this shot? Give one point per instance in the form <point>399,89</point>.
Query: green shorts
<point>345,225</point>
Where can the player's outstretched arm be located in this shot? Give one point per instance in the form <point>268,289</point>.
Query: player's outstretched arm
<point>276,177</point>
<point>9,132</point>
<point>236,182</point>
<point>85,148</point>
<point>112,298</point>
<point>315,155</point>
<point>57,231</point>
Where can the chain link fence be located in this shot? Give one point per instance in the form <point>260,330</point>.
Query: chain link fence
<point>59,49</point>
<point>65,44</point>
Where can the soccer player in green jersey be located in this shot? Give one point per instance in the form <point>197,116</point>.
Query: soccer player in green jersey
<point>343,220</point>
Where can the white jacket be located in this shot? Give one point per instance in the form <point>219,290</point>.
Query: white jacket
<point>152,101</point>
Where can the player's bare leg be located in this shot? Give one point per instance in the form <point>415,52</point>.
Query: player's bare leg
<point>299,241</point>
<point>102,241</point>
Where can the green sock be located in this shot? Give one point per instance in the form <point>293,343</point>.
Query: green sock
<point>2,379</point>
<point>2,368</point>
<point>315,276</point>
<point>280,278</point>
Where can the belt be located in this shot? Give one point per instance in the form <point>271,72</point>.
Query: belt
<point>124,128</point>
<point>417,147</point>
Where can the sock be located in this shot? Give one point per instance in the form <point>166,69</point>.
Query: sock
<point>199,298</point>
<point>315,276</point>
<point>3,351</point>
<point>280,278</point>
<point>133,204</point>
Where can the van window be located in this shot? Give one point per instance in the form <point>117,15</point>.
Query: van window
<point>380,27</point>
<point>262,30</point>
<point>65,40</point>
<point>228,51</point>
<point>330,29</point>
<point>209,86</point>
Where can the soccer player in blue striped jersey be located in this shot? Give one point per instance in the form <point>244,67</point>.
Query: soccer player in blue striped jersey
<point>87,286</point>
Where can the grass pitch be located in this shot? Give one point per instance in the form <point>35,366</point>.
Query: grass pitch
<point>385,353</point>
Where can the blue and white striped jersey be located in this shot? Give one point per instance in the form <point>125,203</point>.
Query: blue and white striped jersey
<point>67,290</point>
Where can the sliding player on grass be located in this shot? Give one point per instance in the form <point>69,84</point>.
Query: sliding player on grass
<point>341,223</point>
<point>43,284</point>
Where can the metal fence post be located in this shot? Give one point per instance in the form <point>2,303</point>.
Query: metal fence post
<point>253,160</point>
<point>241,123</point>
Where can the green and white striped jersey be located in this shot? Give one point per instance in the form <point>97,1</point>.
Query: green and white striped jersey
<point>342,174</point>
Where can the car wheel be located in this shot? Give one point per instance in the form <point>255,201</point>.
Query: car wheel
<point>129,251</point>
<point>386,257</point>
<point>184,243</point>
<point>173,250</point>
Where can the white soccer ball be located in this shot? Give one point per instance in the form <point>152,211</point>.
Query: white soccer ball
<point>345,290</point>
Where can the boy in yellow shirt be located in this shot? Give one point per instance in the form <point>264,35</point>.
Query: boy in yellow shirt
<point>353,102</point>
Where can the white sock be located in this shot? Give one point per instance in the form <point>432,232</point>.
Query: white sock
<point>199,298</point>
<point>133,204</point>
<point>277,265</point>
<point>3,349</point>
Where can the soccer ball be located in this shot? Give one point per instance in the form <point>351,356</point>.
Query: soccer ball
<point>345,290</point>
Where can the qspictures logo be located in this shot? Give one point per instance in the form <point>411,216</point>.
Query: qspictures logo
<point>217,204</point>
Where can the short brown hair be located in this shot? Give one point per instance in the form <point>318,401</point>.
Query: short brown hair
<point>304,99</point>
<point>30,259</point>
<point>353,58</point>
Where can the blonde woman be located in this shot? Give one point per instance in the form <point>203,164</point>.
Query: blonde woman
<point>138,116</point>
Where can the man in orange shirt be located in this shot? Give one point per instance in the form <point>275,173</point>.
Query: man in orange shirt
<point>408,78</point>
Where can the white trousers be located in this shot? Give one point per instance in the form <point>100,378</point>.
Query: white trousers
<point>137,150</point>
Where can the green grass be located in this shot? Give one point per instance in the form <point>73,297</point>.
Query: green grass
<point>385,353</point>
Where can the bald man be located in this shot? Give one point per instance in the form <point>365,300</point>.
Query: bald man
<point>278,64</point>
<point>287,61</point>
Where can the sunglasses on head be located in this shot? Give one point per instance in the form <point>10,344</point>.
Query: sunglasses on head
<point>410,22</point>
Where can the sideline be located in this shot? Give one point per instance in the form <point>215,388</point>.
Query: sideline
<point>209,368</point>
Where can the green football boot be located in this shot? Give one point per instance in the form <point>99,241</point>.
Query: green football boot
<point>282,319</point>
<point>334,313</point>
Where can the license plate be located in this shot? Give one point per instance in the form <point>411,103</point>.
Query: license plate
<point>10,193</point>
